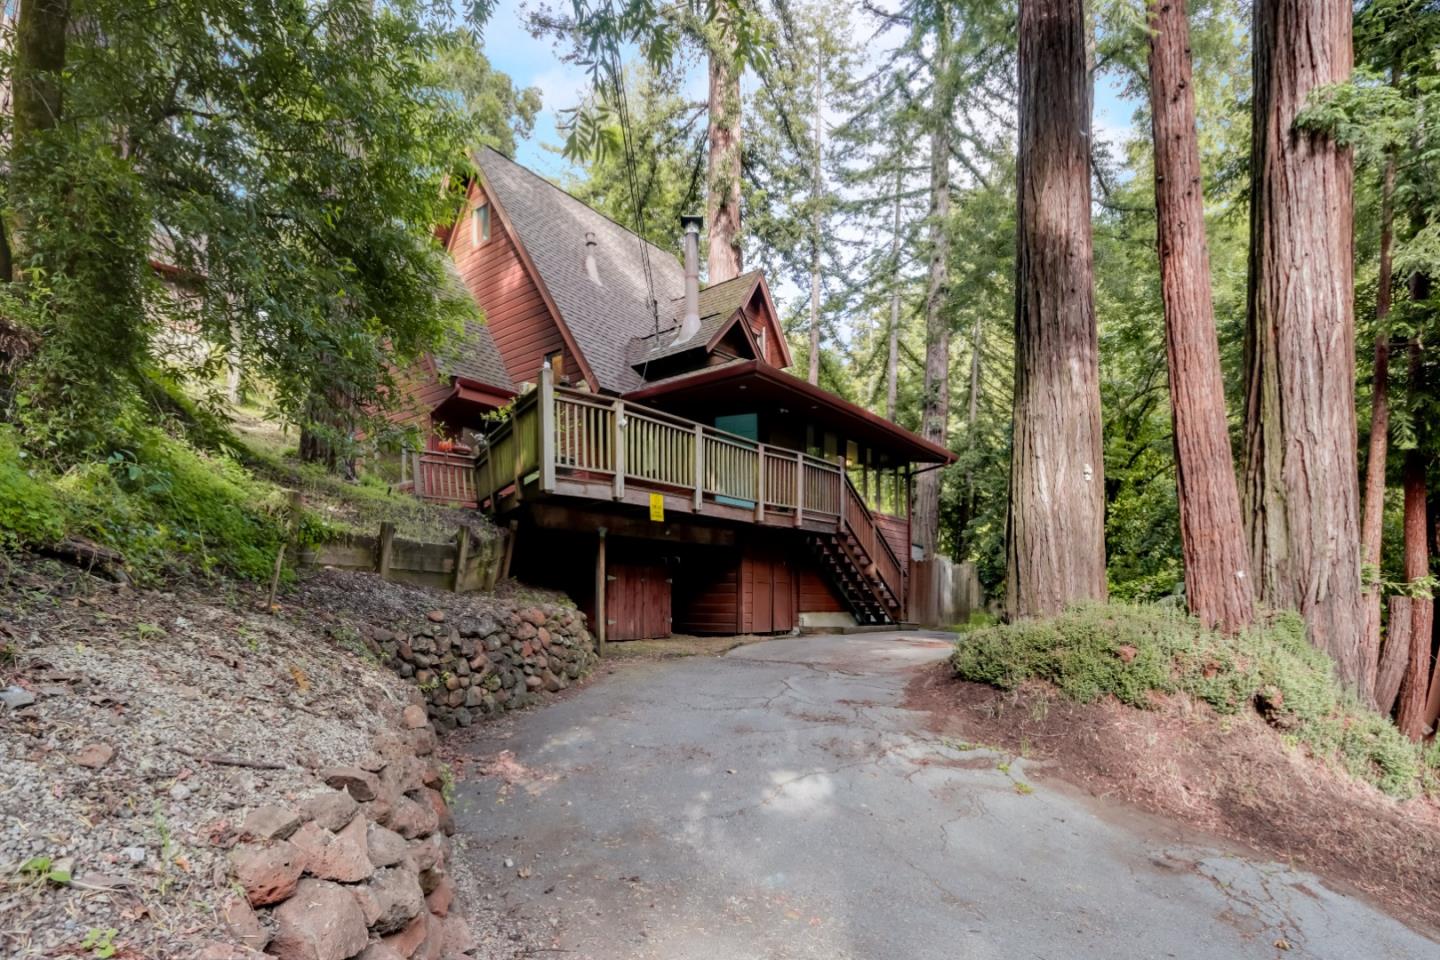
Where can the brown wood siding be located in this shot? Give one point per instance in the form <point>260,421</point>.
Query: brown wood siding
<point>637,600</point>
<point>707,593</point>
<point>769,599</point>
<point>816,593</point>
<point>525,333</point>
<point>896,531</point>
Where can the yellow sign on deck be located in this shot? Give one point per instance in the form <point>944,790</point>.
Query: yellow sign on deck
<point>657,507</point>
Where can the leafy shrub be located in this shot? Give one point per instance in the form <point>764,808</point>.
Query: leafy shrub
<point>165,506</point>
<point>1135,652</point>
<point>30,513</point>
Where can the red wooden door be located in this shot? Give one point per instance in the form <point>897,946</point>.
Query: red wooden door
<point>771,581</point>
<point>762,618</point>
<point>637,601</point>
<point>782,594</point>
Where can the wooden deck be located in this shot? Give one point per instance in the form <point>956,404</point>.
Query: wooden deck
<point>557,442</point>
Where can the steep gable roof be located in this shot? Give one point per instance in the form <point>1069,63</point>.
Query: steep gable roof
<point>718,305</point>
<point>602,318</point>
<point>472,354</point>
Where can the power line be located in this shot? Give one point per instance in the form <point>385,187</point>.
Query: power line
<point>622,108</point>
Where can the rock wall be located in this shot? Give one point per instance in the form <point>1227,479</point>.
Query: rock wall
<point>476,664</point>
<point>358,868</point>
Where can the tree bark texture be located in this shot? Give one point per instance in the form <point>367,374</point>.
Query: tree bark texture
<point>816,188</point>
<point>1300,490</point>
<point>1415,685</point>
<point>1055,540</point>
<point>892,363</point>
<point>935,404</point>
<point>1212,535</point>
<point>41,30</point>
<point>722,204</point>
<point>1372,523</point>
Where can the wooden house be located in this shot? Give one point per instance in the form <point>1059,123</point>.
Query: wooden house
<point>654,458</point>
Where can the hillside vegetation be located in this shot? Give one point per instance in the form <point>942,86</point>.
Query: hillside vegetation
<point>170,507</point>
<point>1140,654</point>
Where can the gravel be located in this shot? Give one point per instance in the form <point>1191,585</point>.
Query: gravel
<point>210,709</point>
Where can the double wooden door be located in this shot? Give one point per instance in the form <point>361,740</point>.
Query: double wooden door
<point>768,585</point>
<point>637,600</point>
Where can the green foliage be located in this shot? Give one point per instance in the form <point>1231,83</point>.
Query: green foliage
<point>45,869</point>
<point>100,942</point>
<point>1134,653</point>
<point>167,506</point>
<point>30,513</point>
<point>286,170</point>
<point>499,112</point>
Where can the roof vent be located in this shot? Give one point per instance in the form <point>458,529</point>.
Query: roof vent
<point>690,322</point>
<point>592,270</point>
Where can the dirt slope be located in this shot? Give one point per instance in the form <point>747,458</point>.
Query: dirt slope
<point>1231,777</point>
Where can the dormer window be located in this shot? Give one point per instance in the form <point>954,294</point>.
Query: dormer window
<point>760,343</point>
<point>480,224</point>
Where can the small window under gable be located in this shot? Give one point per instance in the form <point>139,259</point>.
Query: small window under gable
<point>480,224</point>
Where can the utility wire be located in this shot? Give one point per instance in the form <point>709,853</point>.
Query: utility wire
<point>622,108</point>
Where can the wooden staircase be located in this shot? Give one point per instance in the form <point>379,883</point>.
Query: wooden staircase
<point>861,565</point>
<point>868,598</point>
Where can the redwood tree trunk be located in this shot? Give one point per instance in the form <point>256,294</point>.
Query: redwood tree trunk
<point>1300,492</point>
<point>1416,684</point>
<point>892,372</point>
<point>722,205</point>
<point>1212,536</point>
<point>816,188</point>
<point>37,75</point>
<point>935,404</point>
<point>1373,515</point>
<point>1056,531</point>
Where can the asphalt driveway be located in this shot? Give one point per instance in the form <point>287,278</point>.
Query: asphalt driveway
<point>779,802</point>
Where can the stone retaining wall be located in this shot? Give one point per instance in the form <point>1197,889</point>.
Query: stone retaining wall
<point>474,665</point>
<point>358,868</point>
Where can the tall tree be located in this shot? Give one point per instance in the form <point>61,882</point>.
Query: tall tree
<point>289,165</point>
<point>1056,529</point>
<point>935,404</point>
<point>722,202</point>
<point>1411,715</point>
<point>892,332</point>
<point>1300,488</point>
<point>1212,535</point>
<point>1373,501</point>
<point>817,187</point>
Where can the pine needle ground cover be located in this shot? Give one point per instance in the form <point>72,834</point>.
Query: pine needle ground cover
<point>1140,655</point>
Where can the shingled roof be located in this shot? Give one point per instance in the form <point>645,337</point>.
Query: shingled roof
<point>603,318</point>
<point>472,355</point>
<point>718,304</point>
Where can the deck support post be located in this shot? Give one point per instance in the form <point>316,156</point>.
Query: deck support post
<point>799,489</point>
<point>519,455</point>
<point>600,627</point>
<point>619,449</point>
<point>547,429</point>
<point>509,553</point>
<point>385,549</point>
<point>462,556</point>
<point>490,490</point>
<point>760,483</point>
<point>699,467</point>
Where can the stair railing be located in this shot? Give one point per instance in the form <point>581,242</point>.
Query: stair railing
<point>860,524</point>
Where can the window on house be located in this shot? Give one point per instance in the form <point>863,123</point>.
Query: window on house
<point>760,341</point>
<point>480,224</point>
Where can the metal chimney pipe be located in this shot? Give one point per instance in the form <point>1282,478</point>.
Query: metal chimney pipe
<point>690,323</point>
<point>592,270</point>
